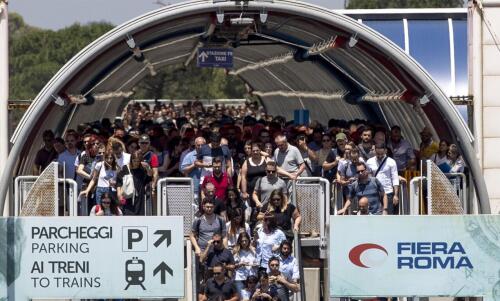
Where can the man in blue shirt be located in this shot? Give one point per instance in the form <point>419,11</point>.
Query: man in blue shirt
<point>188,167</point>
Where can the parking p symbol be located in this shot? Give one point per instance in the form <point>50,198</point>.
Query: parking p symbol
<point>135,239</point>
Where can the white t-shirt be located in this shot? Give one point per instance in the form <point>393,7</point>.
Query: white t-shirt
<point>105,175</point>
<point>123,160</point>
<point>245,256</point>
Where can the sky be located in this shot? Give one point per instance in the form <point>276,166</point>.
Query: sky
<point>56,14</point>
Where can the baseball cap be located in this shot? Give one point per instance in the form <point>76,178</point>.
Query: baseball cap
<point>340,136</point>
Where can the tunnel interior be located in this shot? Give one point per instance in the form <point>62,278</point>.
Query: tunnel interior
<point>290,55</point>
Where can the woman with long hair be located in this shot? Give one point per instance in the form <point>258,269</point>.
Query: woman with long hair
<point>235,227</point>
<point>233,202</point>
<point>284,213</point>
<point>245,260</point>
<point>252,169</point>
<point>142,175</point>
<point>269,238</point>
<point>108,206</point>
<point>104,175</point>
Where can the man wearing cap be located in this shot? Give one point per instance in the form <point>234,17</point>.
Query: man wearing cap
<point>428,146</point>
<point>151,158</point>
<point>333,158</point>
<point>386,171</point>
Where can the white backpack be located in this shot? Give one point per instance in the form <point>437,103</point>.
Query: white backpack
<point>128,188</point>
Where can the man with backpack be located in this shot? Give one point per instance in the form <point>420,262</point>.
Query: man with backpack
<point>205,226</point>
<point>366,186</point>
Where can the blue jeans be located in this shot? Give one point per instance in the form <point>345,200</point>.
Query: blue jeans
<point>99,192</point>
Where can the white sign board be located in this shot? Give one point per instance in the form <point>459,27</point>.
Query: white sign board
<point>415,256</point>
<point>96,257</point>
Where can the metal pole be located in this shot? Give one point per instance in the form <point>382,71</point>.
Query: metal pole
<point>4,93</point>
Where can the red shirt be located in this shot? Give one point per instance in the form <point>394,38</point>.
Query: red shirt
<point>221,184</point>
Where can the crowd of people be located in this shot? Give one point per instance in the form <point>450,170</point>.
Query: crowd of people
<point>242,162</point>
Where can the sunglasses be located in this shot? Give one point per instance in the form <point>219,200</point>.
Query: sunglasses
<point>326,140</point>
<point>274,265</point>
<point>271,171</point>
<point>217,273</point>
<point>216,241</point>
<point>143,142</point>
<point>361,171</point>
<point>106,203</point>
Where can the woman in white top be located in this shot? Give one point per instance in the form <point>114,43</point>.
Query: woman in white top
<point>104,174</point>
<point>456,161</point>
<point>235,227</point>
<point>441,157</point>
<point>245,261</point>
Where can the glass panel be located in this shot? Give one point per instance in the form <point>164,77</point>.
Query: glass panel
<point>430,46</point>
<point>460,40</point>
<point>392,29</point>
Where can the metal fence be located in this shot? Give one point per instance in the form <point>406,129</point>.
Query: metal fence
<point>42,195</point>
<point>438,193</point>
<point>176,197</point>
<point>338,199</point>
<point>311,195</point>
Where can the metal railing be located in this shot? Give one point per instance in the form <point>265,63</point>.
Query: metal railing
<point>176,197</point>
<point>23,184</point>
<point>417,194</point>
<point>338,199</point>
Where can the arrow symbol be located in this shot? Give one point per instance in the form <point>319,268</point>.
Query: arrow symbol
<point>203,55</point>
<point>165,234</point>
<point>163,267</point>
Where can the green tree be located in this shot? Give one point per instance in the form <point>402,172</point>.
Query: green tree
<point>35,55</point>
<point>372,4</point>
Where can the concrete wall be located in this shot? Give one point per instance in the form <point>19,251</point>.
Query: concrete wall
<point>484,68</point>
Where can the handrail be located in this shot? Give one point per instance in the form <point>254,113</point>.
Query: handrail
<point>414,195</point>
<point>297,248</point>
<point>462,196</point>
<point>402,197</point>
<point>17,182</point>
<point>73,195</point>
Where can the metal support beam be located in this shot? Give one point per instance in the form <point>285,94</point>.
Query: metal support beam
<point>4,91</point>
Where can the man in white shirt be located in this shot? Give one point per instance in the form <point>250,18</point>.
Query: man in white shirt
<point>386,171</point>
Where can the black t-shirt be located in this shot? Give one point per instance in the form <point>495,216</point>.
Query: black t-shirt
<point>330,174</point>
<point>87,162</point>
<point>214,291</point>
<point>283,218</point>
<point>230,210</point>
<point>141,179</point>
<point>223,256</point>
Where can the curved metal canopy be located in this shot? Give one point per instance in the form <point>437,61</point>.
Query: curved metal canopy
<point>291,54</point>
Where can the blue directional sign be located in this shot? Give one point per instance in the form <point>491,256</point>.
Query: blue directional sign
<point>215,57</point>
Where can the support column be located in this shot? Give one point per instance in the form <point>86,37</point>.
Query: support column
<point>4,90</point>
<point>485,64</point>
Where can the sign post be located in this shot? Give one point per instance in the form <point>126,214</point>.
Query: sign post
<point>95,257</point>
<point>420,256</point>
<point>215,58</point>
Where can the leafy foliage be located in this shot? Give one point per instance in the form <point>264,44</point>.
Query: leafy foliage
<point>37,54</point>
<point>370,4</point>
